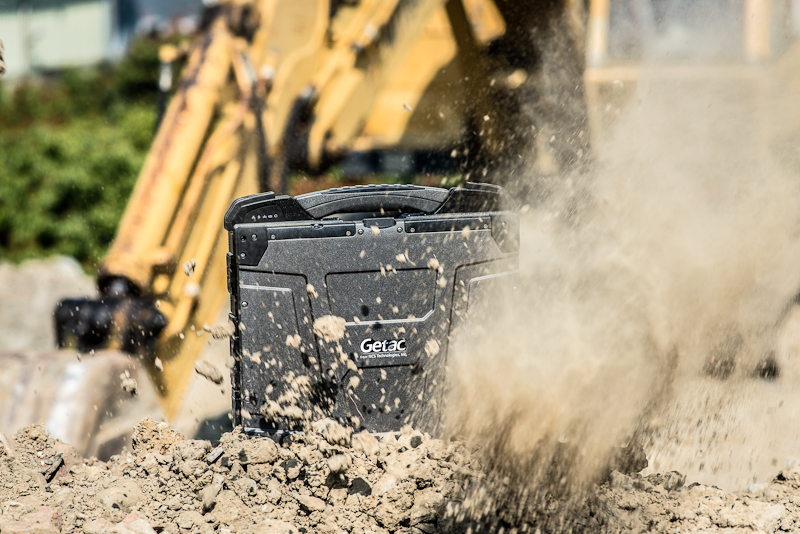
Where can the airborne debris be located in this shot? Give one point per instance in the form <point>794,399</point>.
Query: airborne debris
<point>188,267</point>
<point>158,364</point>
<point>431,347</point>
<point>128,384</point>
<point>332,432</point>
<point>208,371</point>
<point>222,330</point>
<point>191,289</point>
<point>311,291</point>
<point>365,442</point>
<point>339,463</point>
<point>254,357</point>
<point>329,327</point>
<point>516,78</point>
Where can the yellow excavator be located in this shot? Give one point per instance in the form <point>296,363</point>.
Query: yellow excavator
<point>272,88</point>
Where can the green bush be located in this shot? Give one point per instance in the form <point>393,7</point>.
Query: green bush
<point>71,148</point>
<point>64,188</point>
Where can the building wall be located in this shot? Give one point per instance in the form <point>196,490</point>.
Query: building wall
<point>41,35</point>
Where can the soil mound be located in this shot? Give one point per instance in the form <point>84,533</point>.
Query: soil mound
<point>307,483</point>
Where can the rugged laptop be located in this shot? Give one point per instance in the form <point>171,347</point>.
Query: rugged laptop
<point>345,301</point>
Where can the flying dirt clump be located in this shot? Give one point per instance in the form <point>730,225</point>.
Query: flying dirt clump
<point>329,327</point>
<point>222,330</point>
<point>208,371</point>
<point>293,341</point>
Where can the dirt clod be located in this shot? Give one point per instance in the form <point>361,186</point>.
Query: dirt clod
<point>189,266</point>
<point>339,463</point>
<point>329,327</point>
<point>120,497</point>
<point>207,370</point>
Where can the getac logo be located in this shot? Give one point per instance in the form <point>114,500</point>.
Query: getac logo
<point>368,346</point>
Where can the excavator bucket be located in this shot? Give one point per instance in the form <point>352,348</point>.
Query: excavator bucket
<point>90,401</point>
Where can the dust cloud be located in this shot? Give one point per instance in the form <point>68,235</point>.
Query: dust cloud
<point>652,289</point>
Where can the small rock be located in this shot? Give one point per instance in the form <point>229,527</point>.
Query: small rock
<point>386,515</point>
<point>245,487</point>
<point>673,481</point>
<point>150,464</point>
<point>52,466</point>
<point>791,475</point>
<point>192,449</point>
<point>422,473</point>
<point>310,503</point>
<point>214,455</point>
<point>121,497</point>
<point>133,524</point>
<point>628,503</point>
<point>185,520</point>
<point>258,451</point>
<point>128,384</point>
<point>229,507</point>
<point>426,504</point>
<point>292,468</point>
<point>188,267</point>
<point>194,468</point>
<point>274,491</point>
